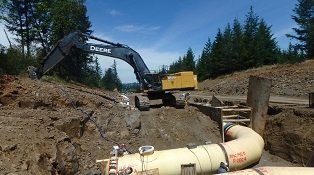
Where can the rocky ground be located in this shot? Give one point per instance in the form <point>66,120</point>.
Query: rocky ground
<point>47,127</point>
<point>288,80</point>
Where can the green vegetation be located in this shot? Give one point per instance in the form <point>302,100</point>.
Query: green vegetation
<point>243,46</point>
<point>111,79</point>
<point>304,17</point>
<point>38,25</point>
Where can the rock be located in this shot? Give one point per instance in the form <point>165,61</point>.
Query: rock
<point>66,158</point>
<point>71,126</point>
<point>124,134</point>
<point>135,131</point>
<point>133,120</point>
<point>10,148</point>
<point>25,166</point>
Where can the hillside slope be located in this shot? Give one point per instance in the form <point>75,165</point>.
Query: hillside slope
<point>292,80</point>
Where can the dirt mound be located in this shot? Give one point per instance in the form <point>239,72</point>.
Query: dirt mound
<point>39,126</point>
<point>289,134</point>
<point>295,80</point>
<point>41,132</point>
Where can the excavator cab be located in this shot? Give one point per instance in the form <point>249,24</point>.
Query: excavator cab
<point>154,81</point>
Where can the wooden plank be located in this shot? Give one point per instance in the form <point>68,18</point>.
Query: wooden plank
<point>230,116</point>
<point>237,120</point>
<point>224,107</point>
<point>244,109</point>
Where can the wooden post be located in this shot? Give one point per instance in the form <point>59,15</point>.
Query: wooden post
<point>311,100</point>
<point>258,100</point>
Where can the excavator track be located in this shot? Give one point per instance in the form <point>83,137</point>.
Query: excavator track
<point>142,103</point>
<point>177,100</point>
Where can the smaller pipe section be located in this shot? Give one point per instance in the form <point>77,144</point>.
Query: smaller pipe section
<point>244,149</point>
<point>275,171</point>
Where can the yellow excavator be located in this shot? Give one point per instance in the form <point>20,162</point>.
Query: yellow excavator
<point>152,85</point>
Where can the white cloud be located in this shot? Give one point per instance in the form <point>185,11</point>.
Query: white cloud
<point>114,12</point>
<point>155,58</point>
<point>139,29</point>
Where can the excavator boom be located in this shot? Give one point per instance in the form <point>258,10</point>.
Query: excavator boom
<point>116,50</point>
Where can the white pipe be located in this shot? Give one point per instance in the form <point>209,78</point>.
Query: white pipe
<point>275,171</point>
<point>245,150</point>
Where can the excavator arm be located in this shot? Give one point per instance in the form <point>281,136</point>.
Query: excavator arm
<point>115,50</point>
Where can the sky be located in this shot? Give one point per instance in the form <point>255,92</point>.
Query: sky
<point>162,30</point>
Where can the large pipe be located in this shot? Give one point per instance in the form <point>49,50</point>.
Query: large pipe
<point>244,150</point>
<point>275,171</point>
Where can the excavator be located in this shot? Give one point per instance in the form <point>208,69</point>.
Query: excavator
<point>152,85</point>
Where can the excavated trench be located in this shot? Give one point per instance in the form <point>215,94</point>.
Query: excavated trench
<point>289,134</point>
<point>41,133</point>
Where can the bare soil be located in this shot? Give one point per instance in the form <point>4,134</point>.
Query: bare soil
<point>288,80</point>
<point>43,133</point>
<point>45,126</point>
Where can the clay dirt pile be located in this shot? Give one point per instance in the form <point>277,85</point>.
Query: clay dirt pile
<point>41,132</point>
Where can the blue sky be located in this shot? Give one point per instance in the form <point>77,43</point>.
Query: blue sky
<point>163,30</point>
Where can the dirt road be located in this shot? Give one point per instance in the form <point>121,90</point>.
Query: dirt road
<point>273,99</point>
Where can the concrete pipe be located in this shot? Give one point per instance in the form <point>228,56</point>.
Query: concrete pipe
<point>275,171</point>
<point>245,149</point>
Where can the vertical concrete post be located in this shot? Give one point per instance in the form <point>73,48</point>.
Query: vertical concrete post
<point>258,100</point>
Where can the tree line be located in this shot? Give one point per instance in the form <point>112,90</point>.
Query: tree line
<point>252,44</point>
<point>37,26</point>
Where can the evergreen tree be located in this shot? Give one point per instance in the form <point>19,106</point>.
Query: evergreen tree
<point>117,81</point>
<point>163,69</point>
<point>3,59</point>
<point>216,55</point>
<point>176,66</point>
<point>111,80</point>
<point>238,47</point>
<point>70,16</point>
<point>291,55</point>
<point>304,17</point>
<point>266,47</point>
<point>188,63</point>
<point>42,25</point>
<point>202,66</point>
<point>108,80</point>
<point>250,30</point>
<point>18,20</point>
<point>226,65</point>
